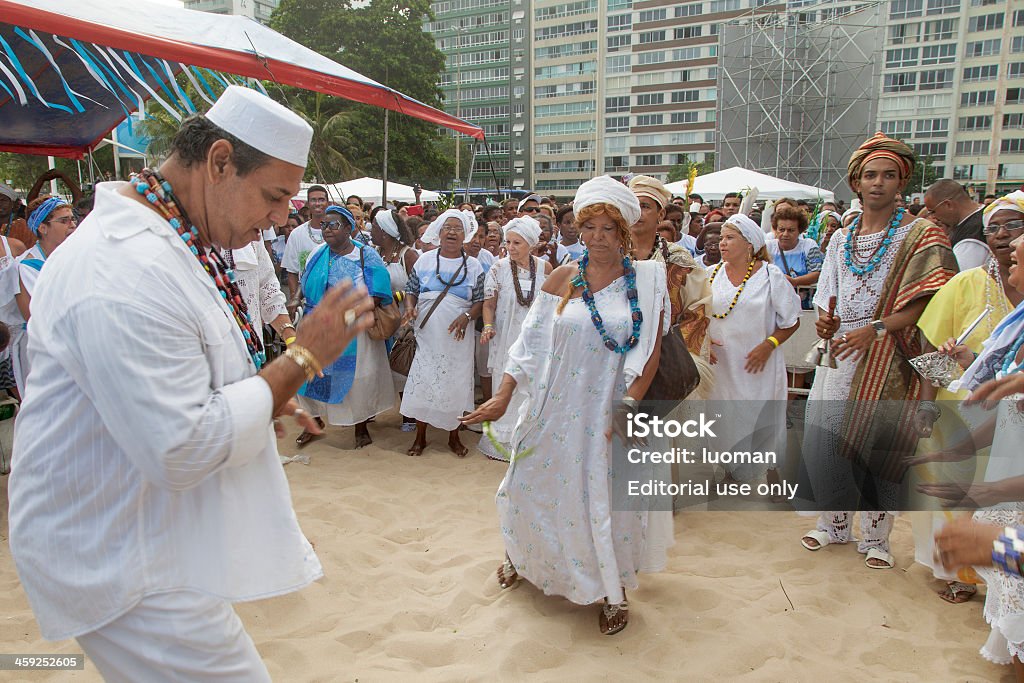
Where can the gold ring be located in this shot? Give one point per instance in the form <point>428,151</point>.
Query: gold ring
<point>350,317</point>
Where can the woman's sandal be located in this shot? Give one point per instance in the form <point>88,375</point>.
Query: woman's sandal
<point>508,577</point>
<point>958,592</point>
<point>613,618</point>
<point>305,437</point>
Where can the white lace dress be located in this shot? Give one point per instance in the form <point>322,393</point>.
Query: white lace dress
<point>856,303</point>
<point>1004,599</point>
<point>508,322</point>
<point>258,283</point>
<point>399,279</point>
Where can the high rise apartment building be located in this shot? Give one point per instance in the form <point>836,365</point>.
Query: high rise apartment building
<point>260,10</point>
<point>567,90</point>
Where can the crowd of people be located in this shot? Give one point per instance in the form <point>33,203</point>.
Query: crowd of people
<point>533,321</point>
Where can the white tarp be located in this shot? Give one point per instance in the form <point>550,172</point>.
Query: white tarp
<point>369,190</point>
<point>716,185</point>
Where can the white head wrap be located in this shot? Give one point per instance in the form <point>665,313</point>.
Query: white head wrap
<point>260,122</point>
<point>8,191</point>
<point>526,227</point>
<point>750,230</point>
<point>606,190</point>
<point>386,222</point>
<point>848,213</point>
<point>473,224</point>
<point>835,214</point>
<point>1011,202</point>
<point>433,233</point>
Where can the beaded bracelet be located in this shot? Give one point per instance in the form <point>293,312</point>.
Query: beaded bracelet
<point>1007,551</point>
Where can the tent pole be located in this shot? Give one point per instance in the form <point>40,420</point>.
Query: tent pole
<point>490,162</point>
<point>469,178</point>
<point>384,176</point>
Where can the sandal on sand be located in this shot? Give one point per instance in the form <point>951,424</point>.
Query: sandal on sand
<point>879,554</point>
<point>613,614</point>
<point>958,592</point>
<point>305,437</point>
<point>820,537</point>
<point>508,577</point>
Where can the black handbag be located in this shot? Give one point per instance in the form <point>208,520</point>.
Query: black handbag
<point>677,375</point>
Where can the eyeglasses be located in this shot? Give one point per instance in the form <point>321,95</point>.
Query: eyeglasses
<point>318,200</point>
<point>66,220</point>
<point>447,229</point>
<point>1012,227</point>
<point>331,225</point>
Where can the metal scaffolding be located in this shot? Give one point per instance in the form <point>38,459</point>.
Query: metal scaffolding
<point>798,91</point>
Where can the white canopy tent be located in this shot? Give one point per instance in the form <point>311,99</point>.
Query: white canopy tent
<point>716,185</point>
<point>369,189</point>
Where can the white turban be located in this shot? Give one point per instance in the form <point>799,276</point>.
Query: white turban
<point>387,223</point>
<point>750,230</point>
<point>433,233</point>
<point>8,191</point>
<point>606,190</point>
<point>473,224</point>
<point>1011,202</point>
<point>526,227</point>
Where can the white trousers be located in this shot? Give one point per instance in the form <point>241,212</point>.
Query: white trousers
<point>175,636</point>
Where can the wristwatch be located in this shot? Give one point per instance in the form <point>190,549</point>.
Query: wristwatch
<point>879,328</point>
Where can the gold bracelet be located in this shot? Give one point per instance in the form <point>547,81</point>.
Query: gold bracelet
<point>773,341</point>
<point>306,361</point>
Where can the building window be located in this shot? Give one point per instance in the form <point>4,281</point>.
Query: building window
<point>938,54</point>
<point>688,32</point>
<point>724,6</point>
<point>564,30</point>
<point>1015,96</point>
<point>684,117</point>
<point>616,5</point>
<point>939,29</point>
<point>652,37</point>
<point>976,123</point>
<point>970,172</point>
<point>936,150</point>
<point>570,109</point>
<point>1017,45</point>
<point>650,119</point>
<point>685,96</point>
<point>904,33</point>
<point>650,15</point>
<point>986,22</point>
<point>1016,70</point>
<point>936,79</point>
<point>899,57</point>
<point>943,6</point>
<point>616,104</point>
<point>616,43</point>
<point>686,53</point>
<point>617,64</point>
<point>616,124</point>
<point>981,73</point>
<point>656,57</point>
<point>903,9</point>
<point>648,160</point>
<point>566,10</point>
<point>614,164</point>
<point>972,148</point>
<point>932,128</point>
<point>978,98</point>
<point>1012,146</point>
<point>620,22</point>
<point>984,48</point>
<point>896,128</point>
<point>650,99</point>
<point>565,70</point>
<point>1012,120</point>
<point>689,10</point>
<point>899,82</point>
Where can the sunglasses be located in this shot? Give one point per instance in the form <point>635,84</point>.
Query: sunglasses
<point>531,209</point>
<point>1012,227</point>
<point>331,225</point>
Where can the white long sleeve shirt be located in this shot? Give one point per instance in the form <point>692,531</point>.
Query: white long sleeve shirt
<point>144,457</point>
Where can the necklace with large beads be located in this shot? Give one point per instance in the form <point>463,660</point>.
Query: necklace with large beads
<point>520,298</point>
<point>876,257</point>
<point>732,305</point>
<point>158,192</point>
<point>595,317</point>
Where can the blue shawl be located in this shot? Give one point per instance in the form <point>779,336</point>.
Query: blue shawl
<point>322,272</point>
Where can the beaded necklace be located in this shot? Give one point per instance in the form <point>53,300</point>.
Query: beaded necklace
<point>463,269</point>
<point>313,238</point>
<point>595,317</point>
<point>750,271</point>
<point>524,300</point>
<point>659,245</point>
<point>158,192</point>
<point>995,296</point>
<point>871,262</point>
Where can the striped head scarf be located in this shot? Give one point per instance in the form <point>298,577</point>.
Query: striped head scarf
<point>881,146</point>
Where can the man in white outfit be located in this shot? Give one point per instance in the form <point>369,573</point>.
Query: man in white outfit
<point>147,492</point>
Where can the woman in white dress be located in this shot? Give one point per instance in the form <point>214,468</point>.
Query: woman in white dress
<point>445,294</point>
<point>358,385</point>
<point>592,336</point>
<point>52,221</point>
<point>510,288</point>
<point>394,240</point>
<point>10,316</point>
<point>257,281</point>
<point>755,310</point>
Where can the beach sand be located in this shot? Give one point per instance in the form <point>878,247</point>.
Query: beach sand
<point>410,547</point>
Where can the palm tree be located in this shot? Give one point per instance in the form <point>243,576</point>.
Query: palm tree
<point>328,155</point>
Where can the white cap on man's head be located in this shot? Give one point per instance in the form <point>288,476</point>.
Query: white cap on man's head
<point>529,198</point>
<point>262,123</point>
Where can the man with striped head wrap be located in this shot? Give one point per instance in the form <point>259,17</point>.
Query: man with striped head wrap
<point>881,272</point>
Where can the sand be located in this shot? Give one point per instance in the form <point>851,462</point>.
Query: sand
<point>410,546</point>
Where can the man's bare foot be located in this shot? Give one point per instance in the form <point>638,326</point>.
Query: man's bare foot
<point>456,445</point>
<point>416,448</point>
<point>363,438</point>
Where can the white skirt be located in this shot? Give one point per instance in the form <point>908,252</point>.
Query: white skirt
<point>372,392</point>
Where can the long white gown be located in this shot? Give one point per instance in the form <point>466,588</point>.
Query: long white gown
<point>767,302</point>
<point>440,385</point>
<point>399,279</point>
<point>554,504</point>
<point>508,322</point>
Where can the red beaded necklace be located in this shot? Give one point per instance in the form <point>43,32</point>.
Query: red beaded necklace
<point>157,191</point>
